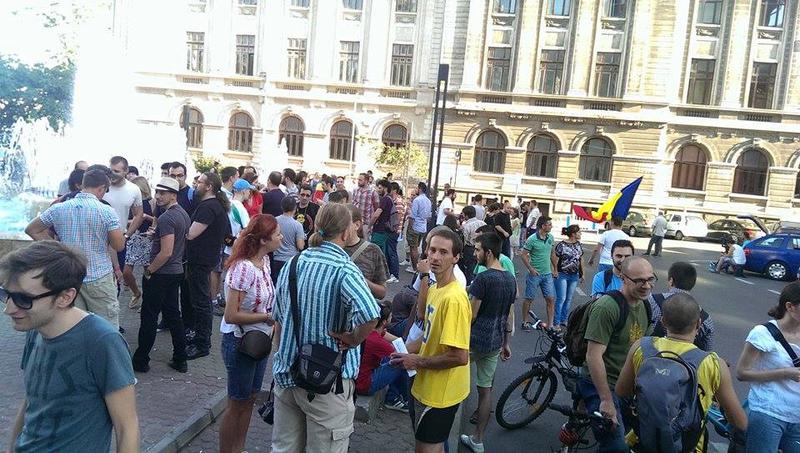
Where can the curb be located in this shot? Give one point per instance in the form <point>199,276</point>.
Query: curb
<point>181,435</point>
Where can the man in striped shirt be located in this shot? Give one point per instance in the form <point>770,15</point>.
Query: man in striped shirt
<point>326,278</point>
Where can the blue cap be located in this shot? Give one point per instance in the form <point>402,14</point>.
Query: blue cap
<point>242,184</point>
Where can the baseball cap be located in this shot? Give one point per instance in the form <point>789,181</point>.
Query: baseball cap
<point>242,184</point>
<point>168,184</point>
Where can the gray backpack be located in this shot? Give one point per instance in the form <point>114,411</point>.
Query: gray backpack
<point>670,417</point>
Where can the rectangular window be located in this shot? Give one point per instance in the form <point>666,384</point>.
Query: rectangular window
<point>297,58</point>
<point>352,4</point>
<point>505,6</point>
<point>710,12</point>
<point>772,13</point>
<point>300,3</point>
<point>701,79</point>
<point>762,85</point>
<point>195,42</point>
<point>402,58</point>
<point>615,8</point>
<point>406,6</point>
<point>558,7</point>
<point>551,71</point>
<point>499,67</point>
<point>606,74</point>
<point>245,54</point>
<point>348,61</point>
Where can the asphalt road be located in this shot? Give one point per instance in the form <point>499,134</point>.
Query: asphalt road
<point>736,305</point>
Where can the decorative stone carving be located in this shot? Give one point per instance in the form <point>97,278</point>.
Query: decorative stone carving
<point>769,34</point>
<point>636,124</point>
<point>545,126</point>
<point>694,137</point>
<point>395,116</point>
<point>599,130</point>
<point>574,120</point>
<point>706,31</point>
<point>492,122</point>
<point>465,113</point>
<point>610,24</point>
<point>518,116</point>
<point>506,21</point>
<point>405,18</point>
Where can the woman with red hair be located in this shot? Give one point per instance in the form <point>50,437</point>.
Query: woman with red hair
<point>248,307</point>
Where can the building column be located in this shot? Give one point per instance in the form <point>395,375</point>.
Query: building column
<point>527,47</point>
<point>737,55</point>
<point>376,45</point>
<point>323,47</point>
<point>719,181</point>
<point>474,57</point>
<point>791,69</point>
<point>219,43</point>
<point>582,49</point>
<point>780,187</point>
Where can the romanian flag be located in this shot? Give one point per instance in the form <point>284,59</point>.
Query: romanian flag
<point>616,206</point>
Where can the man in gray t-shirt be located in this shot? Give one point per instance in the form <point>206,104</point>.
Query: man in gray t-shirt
<point>76,366</point>
<point>294,239</point>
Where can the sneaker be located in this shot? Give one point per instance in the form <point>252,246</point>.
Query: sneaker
<point>162,326</point>
<point>140,368</point>
<point>399,405</point>
<point>121,330</point>
<point>180,367</point>
<point>404,263</point>
<point>411,270</point>
<point>193,352</point>
<point>136,302</point>
<point>392,279</point>
<point>471,444</point>
<point>527,326</point>
<point>190,334</point>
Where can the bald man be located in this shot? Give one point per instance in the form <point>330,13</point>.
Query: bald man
<point>607,346</point>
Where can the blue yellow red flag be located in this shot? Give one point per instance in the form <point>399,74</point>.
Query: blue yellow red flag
<point>616,206</point>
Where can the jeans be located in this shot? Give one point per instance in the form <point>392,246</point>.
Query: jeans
<point>607,441</point>
<point>160,294</point>
<point>657,240</point>
<point>396,378</point>
<point>245,375</point>
<point>565,289</point>
<point>187,313</point>
<point>766,433</point>
<point>469,262</point>
<point>200,292</point>
<point>507,247</point>
<point>392,260</point>
<point>275,270</point>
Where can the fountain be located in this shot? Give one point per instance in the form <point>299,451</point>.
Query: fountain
<point>103,124</point>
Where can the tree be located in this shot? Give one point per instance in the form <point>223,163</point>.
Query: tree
<point>205,164</point>
<point>406,163</point>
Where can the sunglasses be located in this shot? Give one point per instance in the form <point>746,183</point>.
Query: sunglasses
<point>22,300</point>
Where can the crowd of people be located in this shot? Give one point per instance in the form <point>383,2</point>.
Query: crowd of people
<point>299,269</point>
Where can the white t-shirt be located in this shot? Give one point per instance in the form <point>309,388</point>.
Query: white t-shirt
<point>416,331</point>
<point>738,255</point>
<point>533,216</point>
<point>122,199</point>
<point>447,203</point>
<point>259,294</point>
<point>235,227</point>
<point>608,239</point>
<point>660,226</point>
<point>779,399</point>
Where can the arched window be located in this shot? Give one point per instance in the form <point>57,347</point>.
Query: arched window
<point>291,130</point>
<point>595,164</point>
<point>342,143</point>
<point>541,158</point>
<point>490,153</point>
<point>689,171</point>
<point>395,135</point>
<point>240,133</point>
<point>797,186</point>
<point>194,132</point>
<point>750,177</point>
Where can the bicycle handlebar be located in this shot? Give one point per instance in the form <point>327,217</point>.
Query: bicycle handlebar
<point>572,413</point>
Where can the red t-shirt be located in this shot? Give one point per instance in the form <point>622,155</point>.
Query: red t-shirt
<point>253,205</point>
<point>375,350</point>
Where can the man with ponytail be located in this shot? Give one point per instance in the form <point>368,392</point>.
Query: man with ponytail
<point>209,227</point>
<point>326,278</point>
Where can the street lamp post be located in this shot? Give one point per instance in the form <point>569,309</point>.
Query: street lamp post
<point>436,145</point>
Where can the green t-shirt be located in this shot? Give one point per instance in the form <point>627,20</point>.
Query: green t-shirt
<point>505,261</point>
<point>600,329</point>
<point>539,250</point>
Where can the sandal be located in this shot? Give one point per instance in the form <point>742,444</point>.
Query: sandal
<point>136,302</point>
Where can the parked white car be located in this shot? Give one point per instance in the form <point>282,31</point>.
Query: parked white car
<point>685,224</point>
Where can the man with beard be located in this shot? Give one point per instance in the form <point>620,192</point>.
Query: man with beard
<point>306,211</point>
<point>365,199</point>
<point>205,238</point>
<point>274,195</point>
<point>380,218</point>
<point>125,198</point>
<point>611,279</point>
<point>492,296</point>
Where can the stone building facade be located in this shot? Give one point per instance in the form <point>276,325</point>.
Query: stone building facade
<point>559,100</point>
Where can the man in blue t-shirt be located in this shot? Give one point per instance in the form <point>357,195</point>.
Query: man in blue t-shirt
<point>76,366</point>
<point>611,279</point>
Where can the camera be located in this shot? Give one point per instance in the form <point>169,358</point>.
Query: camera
<point>267,411</point>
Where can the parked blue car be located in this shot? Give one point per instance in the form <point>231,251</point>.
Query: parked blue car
<point>775,255</point>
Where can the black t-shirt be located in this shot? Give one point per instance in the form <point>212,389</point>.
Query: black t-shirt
<point>205,249</point>
<point>382,223</point>
<point>173,221</point>
<point>306,217</point>
<point>503,220</point>
<point>272,202</point>
<point>497,290</point>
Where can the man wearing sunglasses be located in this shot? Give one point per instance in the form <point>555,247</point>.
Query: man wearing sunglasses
<point>608,345</point>
<point>76,366</point>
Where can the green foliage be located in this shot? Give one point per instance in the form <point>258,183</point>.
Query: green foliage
<point>204,164</point>
<point>407,162</point>
<point>33,92</point>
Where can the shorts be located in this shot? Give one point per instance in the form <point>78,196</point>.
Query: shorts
<point>543,282</point>
<point>413,238</point>
<point>245,375</point>
<point>485,366</point>
<point>137,251</point>
<point>222,258</point>
<point>434,424</point>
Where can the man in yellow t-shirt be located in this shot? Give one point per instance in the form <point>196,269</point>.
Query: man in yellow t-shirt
<point>681,319</point>
<point>442,363</point>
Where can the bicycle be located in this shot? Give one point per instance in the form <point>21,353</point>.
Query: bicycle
<point>538,382</point>
<point>573,432</point>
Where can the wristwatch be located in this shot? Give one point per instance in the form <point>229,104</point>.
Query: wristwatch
<point>126,235</point>
<point>147,274</point>
<point>424,275</point>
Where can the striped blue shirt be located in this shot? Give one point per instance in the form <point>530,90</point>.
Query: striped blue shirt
<point>83,223</point>
<point>325,275</point>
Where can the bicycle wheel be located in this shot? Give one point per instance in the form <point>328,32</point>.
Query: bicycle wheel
<point>526,398</point>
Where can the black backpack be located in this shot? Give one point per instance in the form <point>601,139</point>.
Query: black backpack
<point>579,318</point>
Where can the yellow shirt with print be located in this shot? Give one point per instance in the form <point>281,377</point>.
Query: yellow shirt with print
<point>448,317</point>
<point>708,375</point>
